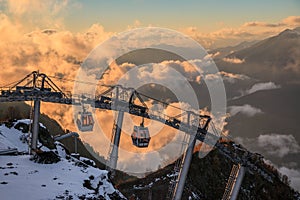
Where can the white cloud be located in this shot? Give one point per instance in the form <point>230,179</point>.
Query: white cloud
<point>234,60</point>
<point>262,86</point>
<point>258,87</point>
<point>294,176</point>
<point>244,109</point>
<point>136,24</point>
<point>292,172</point>
<point>278,145</point>
<point>170,70</point>
<point>223,76</point>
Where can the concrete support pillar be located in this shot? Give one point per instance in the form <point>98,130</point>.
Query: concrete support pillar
<point>115,149</point>
<point>35,127</point>
<point>185,169</point>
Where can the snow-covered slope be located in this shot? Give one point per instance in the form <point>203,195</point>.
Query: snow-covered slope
<point>12,138</point>
<point>22,178</point>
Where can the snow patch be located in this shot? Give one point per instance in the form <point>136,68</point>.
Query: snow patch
<point>25,178</point>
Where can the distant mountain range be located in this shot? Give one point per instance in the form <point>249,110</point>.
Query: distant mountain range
<point>273,61</point>
<point>276,58</point>
<point>225,51</point>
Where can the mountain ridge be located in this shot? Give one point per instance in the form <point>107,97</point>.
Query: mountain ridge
<point>275,58</point>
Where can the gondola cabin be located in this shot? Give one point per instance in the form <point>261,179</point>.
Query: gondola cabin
<point>140,136</point>
<point>85,121</point>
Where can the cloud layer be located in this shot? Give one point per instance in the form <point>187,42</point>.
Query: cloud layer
<point>249,31</point>
<point>294,176</point>
<point>273,144</point>
<point>246,109</point>
<point>262,86</point>
<point>278,145</point>
<point>289,21</point>
<point>234,60</point>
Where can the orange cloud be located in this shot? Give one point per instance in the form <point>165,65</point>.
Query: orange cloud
<point>41,14</point>
<point>289,21</point>
<point>292,20</point>
<point>262,24</point>
<point>234,60</point>
<point>47,50</point>
<point>255,30</point>
<point>54,52</point>
<point>59,52</point>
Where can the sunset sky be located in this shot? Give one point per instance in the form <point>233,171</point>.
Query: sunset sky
<point>211,22</point>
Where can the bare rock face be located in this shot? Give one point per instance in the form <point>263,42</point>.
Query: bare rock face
<point>44,136</point>
<point>47,157</point>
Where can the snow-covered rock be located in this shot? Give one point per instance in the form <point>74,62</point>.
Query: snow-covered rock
<point>12,138</point>
<point>22,178</point>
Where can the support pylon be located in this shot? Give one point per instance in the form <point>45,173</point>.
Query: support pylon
<point>185,168</point>
<point>35,128</point>
<point>115,149</point>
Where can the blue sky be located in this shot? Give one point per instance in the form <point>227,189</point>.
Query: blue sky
<point>206,15</point>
